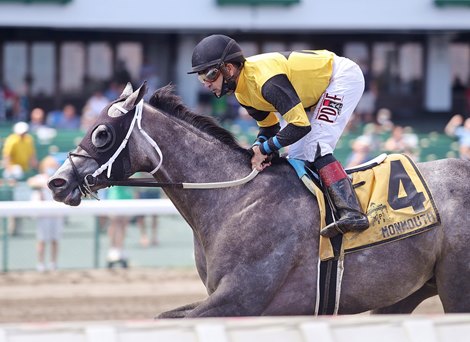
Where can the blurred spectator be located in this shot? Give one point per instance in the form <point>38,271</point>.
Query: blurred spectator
<point>467,98</point>
<point>69,120</point>
<point>148,193</point>
<point>457,85</point>
<point>37,126</point>
<point>19,152</point>
<point>19,158</point>
<point>148,72</point>
<point>117,228</point>
<point>459,128</point>
<point>121,74</point>
<point>92,109</point>
<point>403,140</point>
<point>366,107</point>
<point>113,91</point>
<point>11,103</point>
<point>48,229</point>
<point>3,105</point>
<point>366,146</point>
<point>384,119</point>
<point>37,120</point>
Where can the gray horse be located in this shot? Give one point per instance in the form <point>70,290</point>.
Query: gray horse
<point>256,245</point>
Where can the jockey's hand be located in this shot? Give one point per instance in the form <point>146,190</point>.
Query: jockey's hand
<point>259,161</point>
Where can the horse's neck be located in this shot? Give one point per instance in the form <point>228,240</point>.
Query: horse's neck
<point>190,156</point>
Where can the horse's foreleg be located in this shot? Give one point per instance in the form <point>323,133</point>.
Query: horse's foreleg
<point>408,304</point>
<point>180,312</point>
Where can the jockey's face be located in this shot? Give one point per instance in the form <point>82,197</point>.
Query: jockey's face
<point>212,79</point>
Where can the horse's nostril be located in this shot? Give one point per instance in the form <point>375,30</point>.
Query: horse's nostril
<point>57,182</point>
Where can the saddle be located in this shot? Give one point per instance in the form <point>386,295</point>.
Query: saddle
<point>397,201</point>
<point>391,191</point>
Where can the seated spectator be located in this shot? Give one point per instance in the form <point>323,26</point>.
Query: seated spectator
<point>69,120</point>
<point>459,128</point>
<point>403,140</point>
<point>37,126</point>
<point>384,119</point>
<point>19,152</point>
<point>366,146</point>
<point>92,109</point>
<point>37,120</point>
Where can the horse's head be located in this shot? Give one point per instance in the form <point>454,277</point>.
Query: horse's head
<point>111,149</point>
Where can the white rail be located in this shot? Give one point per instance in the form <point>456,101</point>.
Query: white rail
<point>362,328</point>
<point>88,207</point>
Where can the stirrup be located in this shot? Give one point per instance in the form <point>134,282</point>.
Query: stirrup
<point>331,230</point>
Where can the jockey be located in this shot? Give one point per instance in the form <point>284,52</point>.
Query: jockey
<point>314,91</point>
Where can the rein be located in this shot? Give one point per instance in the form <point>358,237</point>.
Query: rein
<point>151,182</point>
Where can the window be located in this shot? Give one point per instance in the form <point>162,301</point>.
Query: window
<point>72,68</point>
<point>15,64</point>
<point>43,68</point>
<point>99,61</point>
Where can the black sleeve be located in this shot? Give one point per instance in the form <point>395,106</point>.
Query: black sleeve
<point>268,132</point>
<point>280,93</point>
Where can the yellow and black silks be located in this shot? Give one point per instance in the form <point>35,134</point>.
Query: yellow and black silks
<point>397,201</point>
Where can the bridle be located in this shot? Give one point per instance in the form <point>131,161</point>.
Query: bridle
<point>90,180</point>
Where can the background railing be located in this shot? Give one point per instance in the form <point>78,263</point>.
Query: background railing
<point>84,241</point>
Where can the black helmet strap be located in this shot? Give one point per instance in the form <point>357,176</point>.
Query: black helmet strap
<point>229,83</point>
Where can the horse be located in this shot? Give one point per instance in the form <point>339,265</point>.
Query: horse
<point>256,245</point>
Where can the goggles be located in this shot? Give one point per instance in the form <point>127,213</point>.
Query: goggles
<point>209,76</point>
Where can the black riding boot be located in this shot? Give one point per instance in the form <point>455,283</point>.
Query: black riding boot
<point>343,196</point>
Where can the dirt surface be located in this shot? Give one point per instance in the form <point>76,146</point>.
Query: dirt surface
<point>90,295</point>
<point>117,294</point>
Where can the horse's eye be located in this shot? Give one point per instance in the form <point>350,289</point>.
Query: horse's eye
<point>102,137</point>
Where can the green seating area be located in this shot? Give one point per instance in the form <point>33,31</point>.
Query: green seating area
<point>432,145</point>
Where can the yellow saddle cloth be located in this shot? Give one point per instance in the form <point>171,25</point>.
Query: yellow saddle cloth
<point>396,199</point>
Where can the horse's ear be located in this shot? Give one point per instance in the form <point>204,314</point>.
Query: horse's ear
<point>127,90</point>
<point>135,97</point>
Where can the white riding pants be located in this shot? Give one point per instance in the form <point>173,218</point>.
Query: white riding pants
<point>332,112</point>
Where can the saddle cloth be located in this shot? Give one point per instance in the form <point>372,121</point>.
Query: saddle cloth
<point>396,199</point>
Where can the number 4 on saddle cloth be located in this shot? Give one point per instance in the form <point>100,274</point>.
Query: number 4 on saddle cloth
<point>397,202</point>
<point>392,193</point>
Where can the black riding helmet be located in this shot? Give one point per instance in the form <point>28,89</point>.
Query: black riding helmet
<point>214,51</point>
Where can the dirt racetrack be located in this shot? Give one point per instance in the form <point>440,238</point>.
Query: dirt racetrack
<point>98,295</point>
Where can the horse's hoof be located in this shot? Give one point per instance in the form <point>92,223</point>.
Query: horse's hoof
<point>169,314</point>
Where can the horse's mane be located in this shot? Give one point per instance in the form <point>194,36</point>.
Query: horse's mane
<point>165,100</point>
